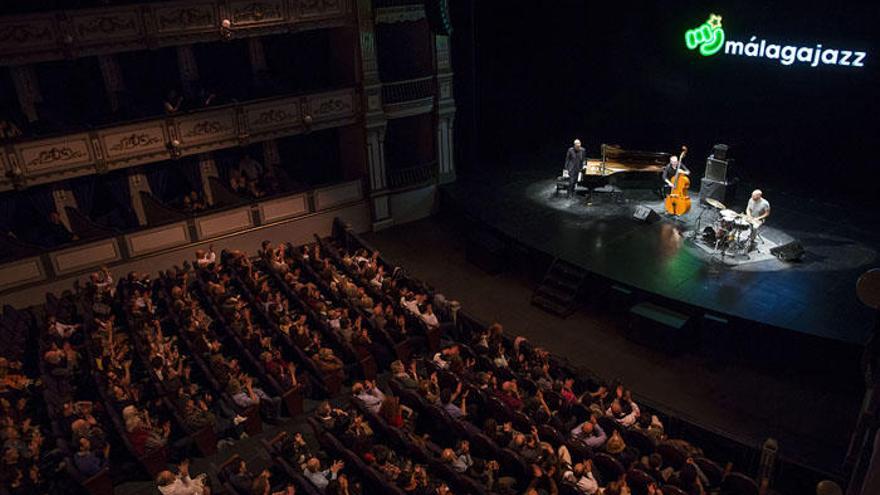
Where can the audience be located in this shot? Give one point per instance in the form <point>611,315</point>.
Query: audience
<point>482,408</point>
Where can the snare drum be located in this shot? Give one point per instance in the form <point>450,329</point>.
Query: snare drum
<point>742,224</point>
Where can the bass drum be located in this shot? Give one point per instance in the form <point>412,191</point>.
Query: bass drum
<point>709,235</point>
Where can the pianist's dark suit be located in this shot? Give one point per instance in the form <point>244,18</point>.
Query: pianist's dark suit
<point>574,161</point>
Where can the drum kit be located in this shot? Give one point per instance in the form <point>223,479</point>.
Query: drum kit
<point>731,233</point>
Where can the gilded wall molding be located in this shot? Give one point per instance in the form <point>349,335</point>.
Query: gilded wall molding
<point>64,34</point>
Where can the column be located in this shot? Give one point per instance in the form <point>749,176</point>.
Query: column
<point>207,169</point>
<point>445,149</point>
<point>374,117</point>
<point>271,157</point>
<point>64,199</point>
<point>256,55</point>
<point>136,183</point>
<point>189,69</point>
<point>113,82</point>
<point>28,90</point>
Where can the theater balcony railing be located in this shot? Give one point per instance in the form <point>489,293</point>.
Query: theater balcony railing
<point>66,34</point>
<point>50,159</point>
<point>394,11</point>
<point>413,176</point>
<point>409,97</point>
<point>249,221</point>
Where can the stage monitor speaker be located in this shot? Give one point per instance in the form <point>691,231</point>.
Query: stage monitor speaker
<point>792,251</point>
<point>645,214</point>
<point>712,189</point>
<point>716,169</point>
<point>719,151</point>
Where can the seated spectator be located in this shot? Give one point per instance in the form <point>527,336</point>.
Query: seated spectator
<point>206,258</point>
<point>650,425</point>
<point>87,461</point>
<point>245,394</point>
<point>429,317</point>
<point>542,482</point>
<point>429,390</point>
<point>409,380</point>
<point>582,477</point>
<point>463,460</point>
<point>282,371</point>
<point>589,433</point>
<point>331,417</point>
<point>321,477</point>
<point>618,412</point>
<point>447,398</point>
<point>328,363</point>
<point>391,411</point>
<point>359,434</point>
<point>144,437</point>
<point>447,354</point>
<point>509,395</point>
<point>181,483</point>
<point>237,183</point>
<point>61,330</point>
<point>368,393</point>
<point>193,202</point>
<point>296,449</point>
<point>616,446</point>
<point>242,479</point>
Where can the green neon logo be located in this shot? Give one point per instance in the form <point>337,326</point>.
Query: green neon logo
<point>709,36</point>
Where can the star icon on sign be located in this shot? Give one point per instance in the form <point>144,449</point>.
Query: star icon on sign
<point>714,20</point>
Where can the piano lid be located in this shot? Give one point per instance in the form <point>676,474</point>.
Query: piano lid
<point>617,159</point>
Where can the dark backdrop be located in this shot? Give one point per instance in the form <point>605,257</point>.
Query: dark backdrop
<point>534,74</point>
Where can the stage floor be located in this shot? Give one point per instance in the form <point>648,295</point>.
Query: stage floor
<point>814,296</point>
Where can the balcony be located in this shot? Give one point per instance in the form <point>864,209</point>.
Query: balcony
<point>410,97</point>
<point>40,161</point>
<point>233,226</point>
<point>57,35</point>
<point>413,176</point>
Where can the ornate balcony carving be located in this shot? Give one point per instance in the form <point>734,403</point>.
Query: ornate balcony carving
<point>63,34</point>
<point>56,158</point>
<point>394,11</point>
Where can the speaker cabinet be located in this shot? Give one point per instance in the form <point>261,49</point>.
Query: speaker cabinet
<point>716,169</point>
<point>712,189</point>
<point>792,251</point>
<point>644,214</point>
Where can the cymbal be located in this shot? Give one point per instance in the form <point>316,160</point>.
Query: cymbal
<point>715,203</point>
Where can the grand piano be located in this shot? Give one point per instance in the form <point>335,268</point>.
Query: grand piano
<point>619,168</point>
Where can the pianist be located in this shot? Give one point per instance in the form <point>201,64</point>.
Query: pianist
<point>575,159</point>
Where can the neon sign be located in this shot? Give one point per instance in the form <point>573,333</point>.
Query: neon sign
<point>710,38</point>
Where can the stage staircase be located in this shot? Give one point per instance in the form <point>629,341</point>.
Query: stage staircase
<point>557,293</point>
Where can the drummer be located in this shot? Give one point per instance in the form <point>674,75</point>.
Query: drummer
<point>758,208</point>
<point>757,212</point>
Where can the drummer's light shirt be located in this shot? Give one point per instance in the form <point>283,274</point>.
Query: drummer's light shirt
<point>758,208</point>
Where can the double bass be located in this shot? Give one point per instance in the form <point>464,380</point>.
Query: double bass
<point>677,201</point>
